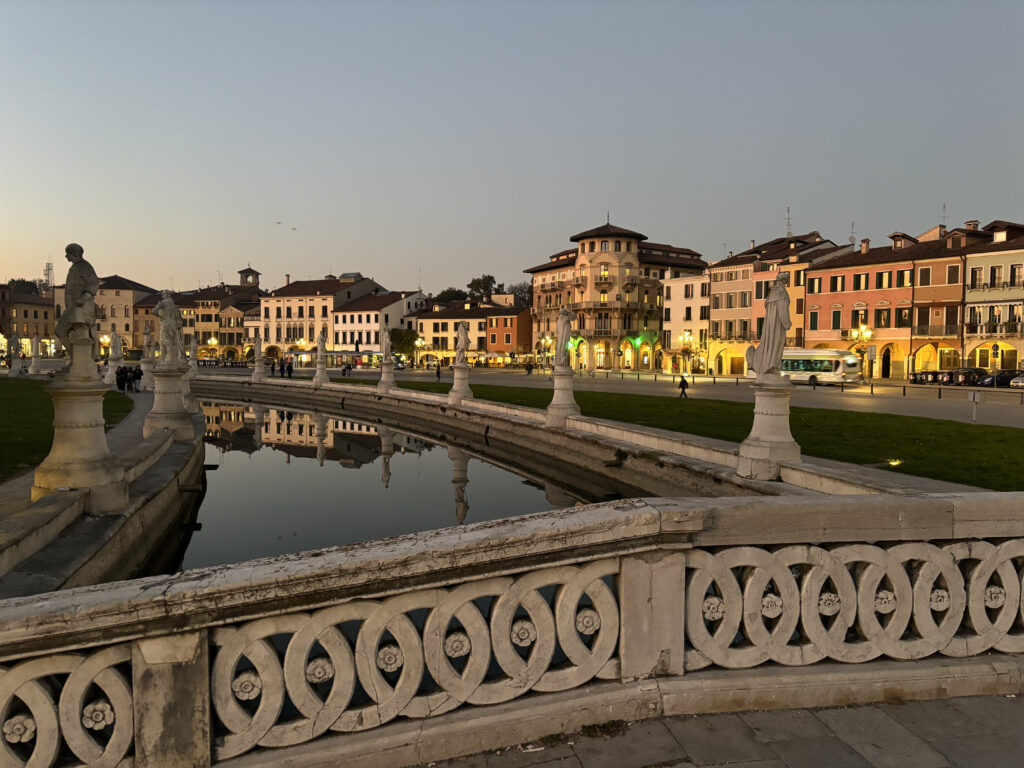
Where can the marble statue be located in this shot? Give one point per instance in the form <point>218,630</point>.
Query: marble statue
<point>115,345</point>
<point>34,345</point>
<point>321,343</point>
<point>385,341</point>
<point>766,357</point>
<point>13,344</point>
<point>193,350</point>
<point>257,353</point>
<point>147,342</point>
<point>169,315</point>
<point>461,504</point>
<point>462,342</point>
<point>564,328</point>
<point>80,288</point>
<point>385,471</point>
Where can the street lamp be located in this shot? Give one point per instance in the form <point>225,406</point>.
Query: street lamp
<point>547,349</point>
<point>420,343</point>
<point>686,345</point>
<point>861,336</point>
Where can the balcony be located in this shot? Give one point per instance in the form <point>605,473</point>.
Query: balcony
<point>604,279</point>
<point>580,281</point>
<point>630,282</point>
<point>937,330</point>
<point>554,285</point>
<point>998,330</point>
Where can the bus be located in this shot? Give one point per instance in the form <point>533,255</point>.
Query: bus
<point>819,366</point>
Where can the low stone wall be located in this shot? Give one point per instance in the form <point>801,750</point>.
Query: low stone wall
<point>422,647</point>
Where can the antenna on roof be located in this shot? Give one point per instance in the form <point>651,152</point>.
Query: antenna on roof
<point>789,224</point>
<point>419,279</point>
<point>853,235</point>
<point>608,216</point>
<point>943,214</point>
<point>723,250</point>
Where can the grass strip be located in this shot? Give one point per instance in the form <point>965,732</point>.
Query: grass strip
<point>26,427</point>
<point>973,454</point>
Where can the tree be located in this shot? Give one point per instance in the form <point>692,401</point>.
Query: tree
<point>20,285</point>
<point>403,341</point>
<point>481,288</point>
<point>523,293</point>
<point>451,294</point>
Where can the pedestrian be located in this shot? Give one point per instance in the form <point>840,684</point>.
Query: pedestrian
<point>137,379</point>
<point>438,371</point>
<point>682,387</point>
<point>289,370</point>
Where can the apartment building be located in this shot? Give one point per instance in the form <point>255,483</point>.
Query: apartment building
<point>357,324</point>
<point>612,282</point>
<point>994,298</point>
<point>144,318</point>
<point>437,326</point>
<point>686,322</point>
<point>33,315</point>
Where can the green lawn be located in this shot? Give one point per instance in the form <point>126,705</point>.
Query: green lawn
<point>989,457</point>
<point>26,427</point>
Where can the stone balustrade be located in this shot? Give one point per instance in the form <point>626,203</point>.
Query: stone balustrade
<point>441,643</point>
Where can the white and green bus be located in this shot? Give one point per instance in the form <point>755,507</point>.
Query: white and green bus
<point>819,366</point>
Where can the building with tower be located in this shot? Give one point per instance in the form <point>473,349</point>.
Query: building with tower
<point>612,282</point>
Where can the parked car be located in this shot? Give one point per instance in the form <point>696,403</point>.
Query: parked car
<point>1017,383</point>
<point>1001,378</point>
<point>968,377</point>
<point>399,365</point>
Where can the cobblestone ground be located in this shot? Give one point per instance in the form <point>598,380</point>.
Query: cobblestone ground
<point>977,732</point>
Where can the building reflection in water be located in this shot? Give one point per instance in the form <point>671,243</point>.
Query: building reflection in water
<point>280,494</point>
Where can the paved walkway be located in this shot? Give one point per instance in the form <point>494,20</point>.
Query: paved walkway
<point>977,732</point>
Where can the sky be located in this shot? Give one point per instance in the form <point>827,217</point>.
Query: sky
<point>426,143</point>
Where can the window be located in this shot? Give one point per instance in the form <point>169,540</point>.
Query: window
<point>837,319</point>
<point>508,337</point>
<point>836,283</point>
<point>924,278</point>
<point>903,317</point>
<point>604,297</point>
<point>604,245</point>
<point>799,306</point>
<point>883,280</point>
<point>618,246</point>
<point>953,274</point>
<point>814,285</point>
<point>705,312</point>
<point>882,317</point>
<point>1015,274</point>
<point>668,314</point>
<point>705,290</point>
<point>716,301</point>
<point>593,245</point>
<point>604,270</point>
<point>287,312</point>
<point>995,275</point>
<point>323,310</point>
<point>744,298</point>
<point>905,277</point>
<point>800,277</point>
<point>812,320</point>
<point>300,311</point>
<point>858,317</point>
<point>629,247</point>
<point>266,313</point>
<point>860,281</point>
<point>975,277</point>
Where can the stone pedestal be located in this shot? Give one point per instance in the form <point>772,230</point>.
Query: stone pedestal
<point>387,376</point>
<point>80,456</point>
<point>146,382</point>
<point>33,366</point>
<point>193,367</point>
<point>460,385</point>
<point>191,404</point>
<point>320,377</point>
<point>110,376</point>
<point>15,369</point>
<point>259,370</point>
<point>770,440</point>
<point>563,404</point>
<point>168,411</point>
<point>460,479</point>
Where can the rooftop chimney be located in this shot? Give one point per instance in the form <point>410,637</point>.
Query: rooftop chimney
<point>865,245</point>
<point>751,245</point>
<point>972,225</point>
<point>287,279</point>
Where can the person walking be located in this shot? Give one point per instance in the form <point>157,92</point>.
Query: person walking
<point>682,387</point>
<point>289,370</point>
<point>438,370</point>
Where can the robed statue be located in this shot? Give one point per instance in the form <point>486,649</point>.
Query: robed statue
<point>766,357</point>
<point>171,352</point>
<point>147,342</point>
<point>258,346</point>
<point>462,343</point>
<point>115,345</point>
<point>321,344</point>
<point>79,316</point>
<point>564,334</point>
<point>385,341</point>
<point>33,345</point>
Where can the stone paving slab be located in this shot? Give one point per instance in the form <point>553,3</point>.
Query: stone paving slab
<point>976,732</point>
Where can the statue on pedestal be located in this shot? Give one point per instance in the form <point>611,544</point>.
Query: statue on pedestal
<point>34,345</point>
<point>385,341</point>
<point>462,342</point>
<point>147,342</point>
<point>766,357</point>
<point>167,312</point>
<point>78,322</point>
<point>193,350</point>
<point>564,328</point>
<point>321,344</point>
<point>115,346</point>
<point>257,353</point>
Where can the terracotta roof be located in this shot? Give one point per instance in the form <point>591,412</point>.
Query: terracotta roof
<point>607,230</point>
<point>1016,244</point>
<point>886,254</point>
<point>186,299</point>
<point>559,260</point>
<point>118,283</point>
<point>782,244</point>
<point>31,298</point>
<point>373,301</point>
<point>310,288</point>
<point>734,261</point>
<point>457,310</point>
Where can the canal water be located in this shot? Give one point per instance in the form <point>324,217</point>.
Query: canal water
<point>289,481</point>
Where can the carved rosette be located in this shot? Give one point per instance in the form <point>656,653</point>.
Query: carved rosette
<point>906,601</point>
<point>502,652</point>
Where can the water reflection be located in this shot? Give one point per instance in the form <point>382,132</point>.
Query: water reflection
<point>288,481</point>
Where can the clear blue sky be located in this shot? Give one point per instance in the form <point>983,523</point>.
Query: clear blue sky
<point>462,138</point>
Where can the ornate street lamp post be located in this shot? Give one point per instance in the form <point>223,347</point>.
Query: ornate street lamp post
<point>862,336</point>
